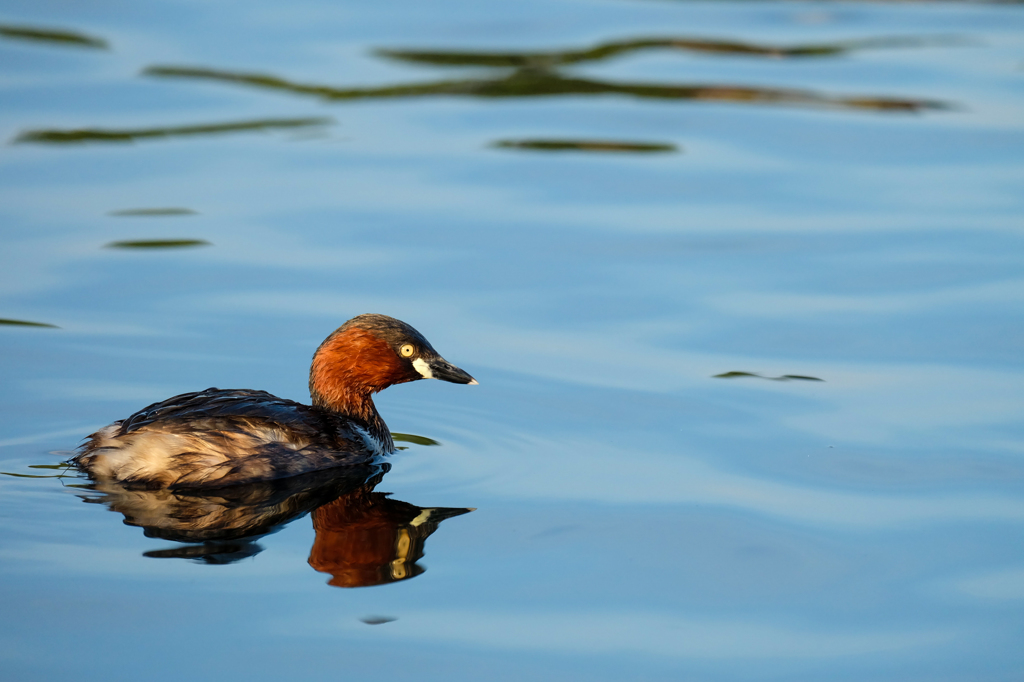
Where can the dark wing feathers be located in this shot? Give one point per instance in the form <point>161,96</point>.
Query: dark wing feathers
<point>215,402</point>
<point>238,409</point>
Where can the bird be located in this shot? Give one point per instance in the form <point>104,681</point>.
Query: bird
<point>225,437</point>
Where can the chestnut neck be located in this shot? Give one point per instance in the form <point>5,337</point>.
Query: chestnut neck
<point>348,368</point>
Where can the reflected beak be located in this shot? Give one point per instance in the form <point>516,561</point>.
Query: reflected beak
<point>439,368</point>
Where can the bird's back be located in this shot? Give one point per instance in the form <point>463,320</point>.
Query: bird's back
<point>216,438</point>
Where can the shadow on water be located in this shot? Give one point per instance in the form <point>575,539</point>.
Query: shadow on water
<point>157,244</point>
<point>587,146</point>
<point>362,538</point>
<point>51,36</point>
<point>608,50</point>
<point>751,375</point>
<point>152,212</point>
<point>85,135</point>
<point>26,323</point>
<point>541,82</point>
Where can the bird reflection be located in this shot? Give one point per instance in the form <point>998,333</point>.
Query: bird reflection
<point>363,537</point>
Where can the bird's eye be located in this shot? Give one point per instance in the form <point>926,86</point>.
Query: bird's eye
<point>407,350</point>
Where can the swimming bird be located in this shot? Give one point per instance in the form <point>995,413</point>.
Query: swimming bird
<point>221,437</point>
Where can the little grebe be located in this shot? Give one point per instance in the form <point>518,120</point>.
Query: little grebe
<point>216,437</point>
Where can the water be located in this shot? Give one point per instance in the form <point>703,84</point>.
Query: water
<point>595,207</point>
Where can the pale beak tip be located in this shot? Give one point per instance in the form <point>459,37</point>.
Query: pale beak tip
<point>474,382</point>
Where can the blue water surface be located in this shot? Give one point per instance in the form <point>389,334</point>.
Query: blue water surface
<point>852,214</point>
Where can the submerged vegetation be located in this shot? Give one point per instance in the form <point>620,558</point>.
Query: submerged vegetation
<point>84,135</point>
<point>537,74</point>
<point>26,323</point>
<point>152,212</point>
<point>587,146</point>
<point>412,438</point>
<point>608,50</point>
<point>52,36</point>
<point>157,244</point>
<point>535,82</point>
<point>784,377</point>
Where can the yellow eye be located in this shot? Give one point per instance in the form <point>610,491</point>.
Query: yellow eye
<point>407,350</point>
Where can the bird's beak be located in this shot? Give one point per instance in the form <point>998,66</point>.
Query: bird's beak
<point>439,368</point>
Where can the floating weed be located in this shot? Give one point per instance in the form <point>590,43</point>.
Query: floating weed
<point>26,323</point>
<point>784,377</point>
<point>545,82</point>
<point>587,146</point>
<point>83,135</point>
<point>608,50</point>
<point>157,244</point>
<point>411,438</point>
<point>63,468</point>
<point>152,212</point>
<point>72,38</point>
